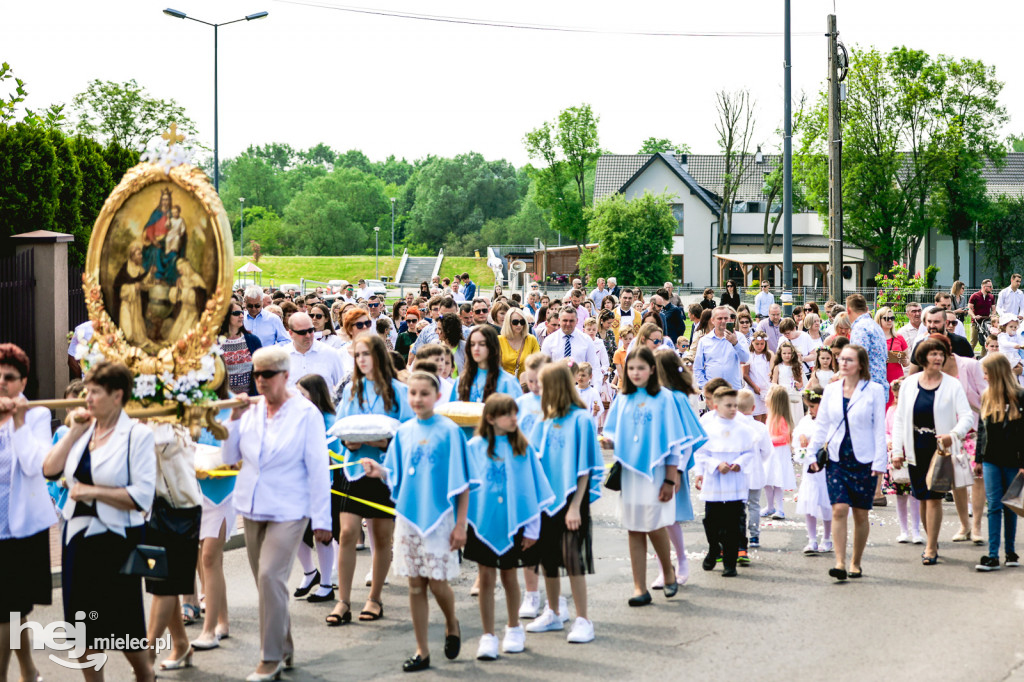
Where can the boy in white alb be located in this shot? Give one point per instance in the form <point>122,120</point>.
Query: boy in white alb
<point>591,397</point>
<point>721,466</point>
<point>755,473</point>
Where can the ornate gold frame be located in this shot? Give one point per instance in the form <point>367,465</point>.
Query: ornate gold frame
<point>185,354</point>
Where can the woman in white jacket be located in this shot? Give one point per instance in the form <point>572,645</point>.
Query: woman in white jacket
<point>26,513</point>
<point>851,424</point>
<point>933,409</point>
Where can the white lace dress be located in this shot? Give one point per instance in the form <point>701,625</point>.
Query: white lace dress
<point>429,556</point>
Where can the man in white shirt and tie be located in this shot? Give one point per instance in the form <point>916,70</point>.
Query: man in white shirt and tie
<point>1011,299</point>
<point>309,356</point>
<point>569,342</point>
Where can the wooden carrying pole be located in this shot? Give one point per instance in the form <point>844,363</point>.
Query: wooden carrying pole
<point>835,177</point>
<point>155,411</point>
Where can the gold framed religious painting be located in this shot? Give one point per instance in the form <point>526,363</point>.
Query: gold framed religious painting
<point>158,271</point>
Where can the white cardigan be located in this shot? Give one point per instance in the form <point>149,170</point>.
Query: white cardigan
<point>866,418</point>
<point>30,509</point>
<point>951,409</point>
<point>110,469</point>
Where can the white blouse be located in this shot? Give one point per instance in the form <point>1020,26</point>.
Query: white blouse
<point>25,507</point>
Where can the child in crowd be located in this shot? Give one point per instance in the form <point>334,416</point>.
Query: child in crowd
<point>504,516</point>
<point>778,472</point>
<point>708,394</point>
<point>721,477</point>
<point>483,374</point>
<point>529,414</point>
<point>1010,342</point>
<point>745,401</point>
<point>441,362</point>
<point>901,488</point>
<point>788,372</point>
<point>643,424</point>
<point>825,367</point>
<point>757,372</point>
<point>427,472</point>
<point>812,498</point>
<point>571,459</point>
<point>680,382</point>
<point>584,374</point>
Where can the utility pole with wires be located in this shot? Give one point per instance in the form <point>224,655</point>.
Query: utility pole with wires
<point>838,61</point>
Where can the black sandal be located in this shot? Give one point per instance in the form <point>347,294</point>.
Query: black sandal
<point>335,619</point>
<point>365,615</point>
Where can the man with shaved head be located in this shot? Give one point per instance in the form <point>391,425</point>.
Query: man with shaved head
<point>309,356</point>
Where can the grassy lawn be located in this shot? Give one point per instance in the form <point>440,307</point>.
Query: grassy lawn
<point>289,269</point>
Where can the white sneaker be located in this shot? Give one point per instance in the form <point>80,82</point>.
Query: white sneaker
<point>918,540</point>
<point>547,622</point>
<point>825,546</point>
<point>903,539</point>
<point>563,609</point>
<point>582,632</point>
<point>530,608</point>
<point>488,649</point>
<point>811,548</point>
<point>514,641</point>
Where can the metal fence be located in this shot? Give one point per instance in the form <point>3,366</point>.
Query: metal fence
<point>17,304</point>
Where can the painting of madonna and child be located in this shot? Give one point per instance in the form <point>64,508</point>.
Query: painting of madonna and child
<point>159,265</point>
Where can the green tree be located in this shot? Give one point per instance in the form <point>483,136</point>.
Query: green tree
<point>336,214</point>
<point>1002,236</point>
<point>252,176</point>
<point>97,182</point>
<point>119,159</point>
<point>319,155</point>
<point>455,197</point>
<point>634,239</point>
<point>735,128</point>
<point>1016,143</point>
<point>68,217</point>
<point>657,145</point>
<point>126,114</point>
<point>569,148</point>
<point>393,171</point>
<point>972,117</point>
<point>29,182</point>
<point>354,158</point>
<point>277,155</point>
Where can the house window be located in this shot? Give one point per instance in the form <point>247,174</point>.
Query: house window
<point>677,212</point>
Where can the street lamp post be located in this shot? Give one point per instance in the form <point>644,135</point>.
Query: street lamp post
<point>241,230</point>
<point>392,227</point>
<point>376,249</point>
<point>181,15</point>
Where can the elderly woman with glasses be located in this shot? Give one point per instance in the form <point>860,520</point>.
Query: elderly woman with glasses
<point>283,485</point>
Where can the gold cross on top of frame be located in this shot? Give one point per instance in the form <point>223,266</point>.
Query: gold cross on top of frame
<point>172,135</point>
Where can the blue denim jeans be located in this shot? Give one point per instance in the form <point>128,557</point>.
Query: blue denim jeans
<point>997,480</point>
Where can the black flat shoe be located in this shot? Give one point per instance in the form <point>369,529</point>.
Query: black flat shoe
<point>452,645</point>
<point>317,598</point>
<point>729,572</point>
<point>644,599</point>
<point>856,574</point>
<point>416,664</point>
<point>314,581</point>
<point>837,573</point>
<point>671,589</point>
<point>708,564</point>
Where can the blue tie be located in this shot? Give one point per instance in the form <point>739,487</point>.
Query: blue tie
<point>568,346</point>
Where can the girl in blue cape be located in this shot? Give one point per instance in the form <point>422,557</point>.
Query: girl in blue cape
<point>646,431</point>
<point>674,377</point>
<point>571,458</point>
<point>504,516</point>
<point>428,474</point>
<point>483,374</point>
<point>374,389</point>
<point>529,415</point>
<point>313,388</point>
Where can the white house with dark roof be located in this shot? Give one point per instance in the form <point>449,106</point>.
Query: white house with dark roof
<point>695,182</point>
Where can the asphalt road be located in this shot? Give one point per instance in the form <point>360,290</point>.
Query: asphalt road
<point>783,618</point>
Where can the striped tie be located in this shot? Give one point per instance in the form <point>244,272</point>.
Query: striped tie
<point>568,346</point>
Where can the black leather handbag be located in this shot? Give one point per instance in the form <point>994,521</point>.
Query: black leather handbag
<point>614,479</point>
<point>144,561</point>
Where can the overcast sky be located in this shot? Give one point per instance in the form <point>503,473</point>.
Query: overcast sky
<point>397,86</point>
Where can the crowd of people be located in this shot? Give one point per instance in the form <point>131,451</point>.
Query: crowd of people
<point>837,404</point>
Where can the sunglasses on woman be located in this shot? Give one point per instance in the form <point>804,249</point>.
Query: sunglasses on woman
<point>317,316</point>
<point>518,323</point>
<point>362,325</point>
<point>237,313</point>
<point>266,373</point>
<point>889,318</point>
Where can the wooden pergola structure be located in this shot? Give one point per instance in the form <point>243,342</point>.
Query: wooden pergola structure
<point>754,265</point>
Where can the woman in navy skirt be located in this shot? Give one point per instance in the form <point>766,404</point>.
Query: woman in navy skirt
<point>851,424</point>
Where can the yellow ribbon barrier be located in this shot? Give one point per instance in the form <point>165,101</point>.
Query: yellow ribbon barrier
<point>373,505</point>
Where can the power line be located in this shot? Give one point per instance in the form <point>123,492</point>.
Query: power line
<point>526,26</point>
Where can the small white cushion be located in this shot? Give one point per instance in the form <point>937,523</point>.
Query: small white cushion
<point>364,428</point>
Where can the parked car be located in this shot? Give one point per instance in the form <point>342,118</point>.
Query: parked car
<point>376,286</point>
